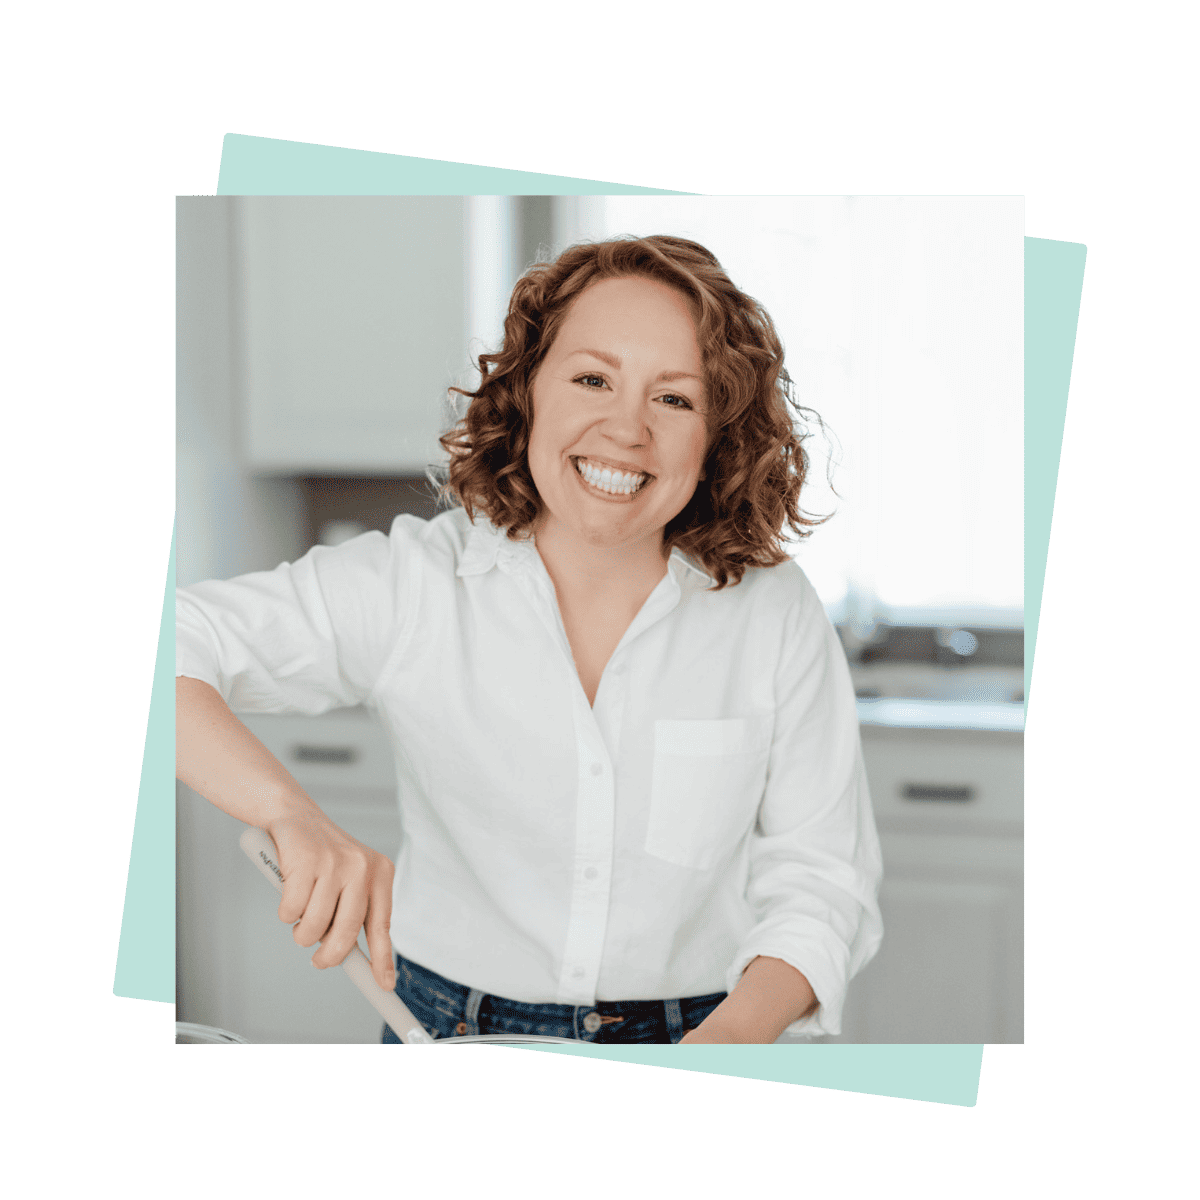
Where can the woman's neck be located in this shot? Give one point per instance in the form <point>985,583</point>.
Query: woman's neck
<point>624,574</point>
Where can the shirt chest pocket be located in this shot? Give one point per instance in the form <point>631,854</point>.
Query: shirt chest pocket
<point>707,781</point>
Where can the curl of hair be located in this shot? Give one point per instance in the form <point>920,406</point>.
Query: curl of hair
<point>755,464</point>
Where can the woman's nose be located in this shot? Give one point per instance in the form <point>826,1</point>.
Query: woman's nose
<point>627,419</point>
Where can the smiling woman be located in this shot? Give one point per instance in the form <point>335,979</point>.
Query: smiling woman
<point>630,777</point>
<point>653,322</point>
<point>616,449</point>
<point>615,455</point>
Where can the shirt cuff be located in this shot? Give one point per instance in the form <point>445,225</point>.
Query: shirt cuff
<point>187,666</point>
<point>208,677</point>
<point>826,977</point>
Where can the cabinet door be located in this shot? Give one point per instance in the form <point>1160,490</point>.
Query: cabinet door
<point>950,967</point>
<point>941,973</point>
<point>353,319</point>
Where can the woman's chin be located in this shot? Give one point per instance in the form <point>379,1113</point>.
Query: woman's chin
<point>621,530</point>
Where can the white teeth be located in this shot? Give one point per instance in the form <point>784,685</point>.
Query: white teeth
<point>619,483</point>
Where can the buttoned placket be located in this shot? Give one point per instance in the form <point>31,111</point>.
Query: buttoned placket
<point>597,736</point>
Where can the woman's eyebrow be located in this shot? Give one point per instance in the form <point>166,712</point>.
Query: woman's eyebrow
<point>615,362</point>
<point>612,360</point>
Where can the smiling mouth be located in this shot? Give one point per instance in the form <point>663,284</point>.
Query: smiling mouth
<point>617,484</point>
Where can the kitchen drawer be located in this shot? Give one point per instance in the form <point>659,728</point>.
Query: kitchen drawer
<point>945,781</point>
<point>338,752</point>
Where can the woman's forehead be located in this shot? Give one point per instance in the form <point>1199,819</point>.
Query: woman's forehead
<point>631,310</point>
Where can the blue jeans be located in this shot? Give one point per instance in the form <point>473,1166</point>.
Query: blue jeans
<point>448,1009</point>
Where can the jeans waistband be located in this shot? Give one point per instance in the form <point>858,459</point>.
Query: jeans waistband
<point>450,1009</point>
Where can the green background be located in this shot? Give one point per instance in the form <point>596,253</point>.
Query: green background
<point>113,111</point>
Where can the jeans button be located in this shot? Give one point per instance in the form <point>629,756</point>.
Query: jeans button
<point>460,1028</point>
<point>592,1022</point>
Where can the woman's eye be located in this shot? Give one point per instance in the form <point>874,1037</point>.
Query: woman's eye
<point>672,399</point>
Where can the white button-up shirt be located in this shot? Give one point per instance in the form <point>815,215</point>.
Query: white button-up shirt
<point>711,806</point>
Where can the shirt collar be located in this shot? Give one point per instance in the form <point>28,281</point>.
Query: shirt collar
<point>679,563</point>
<point>488,546</point>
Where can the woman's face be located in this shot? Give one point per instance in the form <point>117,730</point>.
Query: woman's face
<point>619,432</point>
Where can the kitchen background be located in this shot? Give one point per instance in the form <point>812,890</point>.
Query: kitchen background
<point>316,340</point>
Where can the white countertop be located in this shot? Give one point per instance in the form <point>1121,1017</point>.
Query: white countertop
<point>906,713</point>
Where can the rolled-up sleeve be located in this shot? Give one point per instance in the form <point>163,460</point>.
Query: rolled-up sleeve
<point>815,865</point>
<point>307,637</point>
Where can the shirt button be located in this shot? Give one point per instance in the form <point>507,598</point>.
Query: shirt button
<point>619,669</point>
<point>577,973</point>
<point>596,768</point>
<point>590,873</point>
<point>592,1022</point>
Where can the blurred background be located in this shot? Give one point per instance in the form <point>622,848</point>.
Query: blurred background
<point>316,341</point>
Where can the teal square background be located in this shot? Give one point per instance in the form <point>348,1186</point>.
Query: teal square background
<point>112,111</point>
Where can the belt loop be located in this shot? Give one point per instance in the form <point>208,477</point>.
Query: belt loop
<point>674,1020</point>
<point>471,1014</point>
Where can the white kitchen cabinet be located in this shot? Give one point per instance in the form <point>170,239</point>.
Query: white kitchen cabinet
<point>353,318</point>
<point>949,809</point>
<point>950,967</point>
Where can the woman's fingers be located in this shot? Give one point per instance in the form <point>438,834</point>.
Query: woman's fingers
<point>342,932</point>
<point>333,887</point>
<point>379,919</point>
<point>319,915</point>
<point>297,890</point>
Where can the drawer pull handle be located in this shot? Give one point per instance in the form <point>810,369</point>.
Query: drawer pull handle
<point>933,791</point>
<point>339,755</point>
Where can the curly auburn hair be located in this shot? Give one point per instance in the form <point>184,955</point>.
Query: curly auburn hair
<point>755,464</point>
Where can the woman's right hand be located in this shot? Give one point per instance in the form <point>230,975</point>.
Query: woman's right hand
<point>333,886</point>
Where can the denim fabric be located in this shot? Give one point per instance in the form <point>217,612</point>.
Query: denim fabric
<point>448,1009</point>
